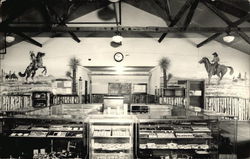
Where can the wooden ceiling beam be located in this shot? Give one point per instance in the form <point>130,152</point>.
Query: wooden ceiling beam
<point>127,29</point>
<point>32,41</point>
<point>190,14</point>
<point>62,23</point>
<point>214,36</point>
<point>163,5</point>
<point>236,29</point>
<point>243,36</point>
<point>229,22</point>
<point>230,8</point>
<point>168,10</point>
<point>241,20</point>
<point>177,17</point>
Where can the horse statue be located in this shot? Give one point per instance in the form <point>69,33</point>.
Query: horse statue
<point>37,62</point>
<point>211,70</point>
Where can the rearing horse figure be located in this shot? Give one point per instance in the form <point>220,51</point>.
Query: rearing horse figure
<point>220,72</point>
<point>37,62</point>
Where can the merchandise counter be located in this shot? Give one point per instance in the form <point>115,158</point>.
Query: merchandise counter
<point>103,136</point>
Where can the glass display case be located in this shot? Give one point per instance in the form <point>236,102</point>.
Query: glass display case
<point>178,138</point>
<point>111,137</point>
<point>41,141</point>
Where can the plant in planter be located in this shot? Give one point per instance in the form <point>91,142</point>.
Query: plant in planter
<point>164,63</point>
<point>73,63</point>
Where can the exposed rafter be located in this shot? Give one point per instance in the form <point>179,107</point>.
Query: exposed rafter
<point>228,29</point>
<point>61,22</point>
<point>163,9</point>
<point>116,17</point>
<point>190,14</point>
<point>218,13</point>
<point>128,29</point>
<point>178,17</point>
<point>214,36</point>
<point>231,25</point>
<point>168,10</point>
<point>32,41</point>
<point>230,7</point>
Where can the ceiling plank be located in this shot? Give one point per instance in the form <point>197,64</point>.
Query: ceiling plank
<point>32,41</point>
<point>177,17</point>
<point>162,6</point>
<point>243,36</point>
<point>229,22</point>
<point>191,14</point>
<point>62,23</point>
<point>218,13</point>
<point>231,8</point>
<point>168,10</point>
<point>116,17</point>
<point>241,20</point>
<point>208,40</point>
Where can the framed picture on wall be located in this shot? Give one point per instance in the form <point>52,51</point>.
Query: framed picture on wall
<point>140,88</point>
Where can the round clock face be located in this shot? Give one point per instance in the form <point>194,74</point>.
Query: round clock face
<point>118,57</point>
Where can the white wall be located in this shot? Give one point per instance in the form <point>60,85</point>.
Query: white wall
<point>182,52</point>
<point>154,80</point>
<point>100,83</point>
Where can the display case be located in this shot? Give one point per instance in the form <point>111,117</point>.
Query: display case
<point>111,137</point>
<point>48,140</point>
<point>178,138</point>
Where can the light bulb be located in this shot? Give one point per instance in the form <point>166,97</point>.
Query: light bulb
<point>10,39</point>
<point>113,1</point>
<point>117,39</point>
<point>228,38</point>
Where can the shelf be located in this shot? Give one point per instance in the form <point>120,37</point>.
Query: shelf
<point>178,131</point>
<point>66,137</point>
<point>63,129</point>
<point>170,149</point>
<point>110,137</point>
<point>112,150</point>
<point>52,130</point>
<point>28,136</point>
<point>46,137</point>
<point>209,137</point>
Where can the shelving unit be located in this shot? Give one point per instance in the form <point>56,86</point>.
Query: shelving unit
<point>178,139</point>
<point>194,93</point>
<point>111,137</point>
<point>40,99</point>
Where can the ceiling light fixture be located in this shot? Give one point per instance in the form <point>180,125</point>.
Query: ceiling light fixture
<point>10,38</point>
<point>117,39</point>
<point>113,1</point>
<point>228,38</point>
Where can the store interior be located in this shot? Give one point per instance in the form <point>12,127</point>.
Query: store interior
<point>125,79</point>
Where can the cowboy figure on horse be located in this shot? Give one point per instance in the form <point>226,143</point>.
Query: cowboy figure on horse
<point>33,59</point>
<point>214,68</point>
<point>36,63</point>
<point>215,61</point>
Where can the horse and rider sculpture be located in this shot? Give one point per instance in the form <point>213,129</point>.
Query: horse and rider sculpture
<point>215,68</point>
<point>36,63</point>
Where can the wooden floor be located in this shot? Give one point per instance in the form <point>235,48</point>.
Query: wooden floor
<point>241,143</point>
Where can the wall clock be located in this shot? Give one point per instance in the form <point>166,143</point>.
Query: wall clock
<point>118,57</point>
